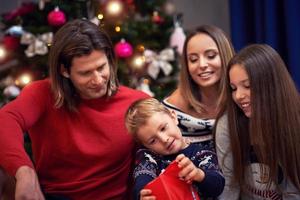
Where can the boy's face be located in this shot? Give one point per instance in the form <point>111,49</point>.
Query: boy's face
<point>161,134</point>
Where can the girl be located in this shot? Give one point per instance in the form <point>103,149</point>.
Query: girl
<point>258,147</point>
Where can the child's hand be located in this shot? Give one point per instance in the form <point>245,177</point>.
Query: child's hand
<point>189,172</point>
<point>145,194</point>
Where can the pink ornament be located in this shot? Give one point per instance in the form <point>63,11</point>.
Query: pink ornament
<point>56,17</point>
<point>123,49</point>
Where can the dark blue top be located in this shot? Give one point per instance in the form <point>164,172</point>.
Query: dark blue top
<point>149,165</point>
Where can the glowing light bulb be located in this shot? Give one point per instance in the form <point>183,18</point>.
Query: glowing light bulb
<point>138,62</point>
<point>23,80</point>
<point>117,28</point>
<point>100,16</point>
<point>140,48</point>
<point>114,7</point>
<point>2,52</point>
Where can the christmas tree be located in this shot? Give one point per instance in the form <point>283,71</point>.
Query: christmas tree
<point>147,40</point>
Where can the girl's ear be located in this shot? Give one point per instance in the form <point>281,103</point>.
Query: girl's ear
<point>64,72</point>
<point>174,116</point>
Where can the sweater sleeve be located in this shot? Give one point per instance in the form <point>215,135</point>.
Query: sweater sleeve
<point>144,172</point>
<point>213,183</point>
<point>225,160</point>
<point>16,118</point>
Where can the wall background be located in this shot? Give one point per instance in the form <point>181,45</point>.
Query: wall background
<point>198,12</point>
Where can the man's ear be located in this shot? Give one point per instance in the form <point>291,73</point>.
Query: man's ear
<point>64,72</point>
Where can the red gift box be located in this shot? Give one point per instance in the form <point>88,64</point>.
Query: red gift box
<point>168,186</point>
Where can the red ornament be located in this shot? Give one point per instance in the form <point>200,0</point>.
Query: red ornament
<point>129,1</point>
<point>156,18</point>
<point>56,17</point>
<point>11,43</point>
<point>123,49</point>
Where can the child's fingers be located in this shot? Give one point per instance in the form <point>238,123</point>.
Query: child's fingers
<point>185,171</point>
<point>148,198</point>
<point>145,191</point>
<point>179,157</point>
<point>145,194</point>
<point>184,162</point>
<point>190,175</point>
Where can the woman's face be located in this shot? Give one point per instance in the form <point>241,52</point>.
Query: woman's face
<point>240,88</point>
<point>204,62</point>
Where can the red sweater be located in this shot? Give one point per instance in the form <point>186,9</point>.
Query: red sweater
<point>84,155</point>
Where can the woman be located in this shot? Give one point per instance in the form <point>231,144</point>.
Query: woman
<point>196,101</point>
<point>258,148</point>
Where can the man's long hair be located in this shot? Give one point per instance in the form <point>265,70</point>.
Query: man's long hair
<point>77,38</point>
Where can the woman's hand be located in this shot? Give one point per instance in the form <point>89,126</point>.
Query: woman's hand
<point>189,172</point>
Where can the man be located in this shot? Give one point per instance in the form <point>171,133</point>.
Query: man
<point>81,149</point>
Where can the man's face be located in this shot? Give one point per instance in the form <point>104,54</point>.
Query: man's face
<point>90,74</point>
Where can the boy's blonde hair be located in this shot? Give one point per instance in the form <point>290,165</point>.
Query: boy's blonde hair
<point>140,111</point>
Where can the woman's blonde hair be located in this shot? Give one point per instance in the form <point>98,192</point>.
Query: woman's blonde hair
<point>188,88</point>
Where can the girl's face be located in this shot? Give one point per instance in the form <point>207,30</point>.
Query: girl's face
<point>240,88</point>
<point>204,62</point>
<point>161,134</point>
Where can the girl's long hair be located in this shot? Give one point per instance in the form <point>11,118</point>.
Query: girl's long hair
<point>274,124</point>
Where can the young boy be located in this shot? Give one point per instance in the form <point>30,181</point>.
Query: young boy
<point>155,127</point>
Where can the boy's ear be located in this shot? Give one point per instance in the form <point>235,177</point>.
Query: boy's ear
<point>64,72</point>
<point>174,116</point>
